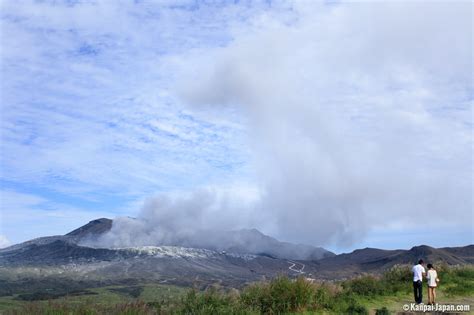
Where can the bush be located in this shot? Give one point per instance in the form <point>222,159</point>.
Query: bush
<point>323,298</point>
<point>281,295</point>
<point>368,286</point>
<point>344,302</point>
<point>382,311</point>
<point>302,294</point>
<point>465,272</point>
<point>357,309</point>
<point>397,279</point>
<point>466,288</point>
<point>210,302</point>
<point>257,297</point>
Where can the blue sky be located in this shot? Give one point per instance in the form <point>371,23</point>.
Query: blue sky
<point>108,103</point>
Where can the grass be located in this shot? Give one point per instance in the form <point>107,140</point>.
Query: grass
<point>103,298</point>
<point>363,295</point>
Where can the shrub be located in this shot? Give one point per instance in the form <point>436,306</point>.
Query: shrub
<point>465,272</point>
<point>365,286</point>
<point>323,298</point>
<point>466,288</point>
<point>210,302</point>
<point>382,311</point>
<point>302,294</point>
<point>281,295</point>
<point>397,279</point>
<point>357,309</point>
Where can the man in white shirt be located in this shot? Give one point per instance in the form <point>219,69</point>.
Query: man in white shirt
<point>418,272</point>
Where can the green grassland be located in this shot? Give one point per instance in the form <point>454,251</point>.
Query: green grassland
<point>102,296</point>
<point>385,294</point>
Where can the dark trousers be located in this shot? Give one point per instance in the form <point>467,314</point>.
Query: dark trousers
<point>418,291</point>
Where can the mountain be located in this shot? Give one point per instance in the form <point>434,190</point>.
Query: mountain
<point>245,241</point>
<point>373,260</point>
<point>252,241</point>
<point>63,256</point>
<point>237,258</point>
<point>93,228</point>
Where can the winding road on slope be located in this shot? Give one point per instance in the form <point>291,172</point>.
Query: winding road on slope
<point>296,266</point>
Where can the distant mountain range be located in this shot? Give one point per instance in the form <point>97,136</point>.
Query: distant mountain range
<point>240,257</point>
<point>373,260</point>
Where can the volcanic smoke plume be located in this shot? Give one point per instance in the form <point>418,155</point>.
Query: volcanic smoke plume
<point>351,122</point>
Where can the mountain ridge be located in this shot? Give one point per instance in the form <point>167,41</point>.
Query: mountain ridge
<point>230,265</point>
<point>243,241</point>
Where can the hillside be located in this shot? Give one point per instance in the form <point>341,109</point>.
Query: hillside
<point>373,260</point>
<point>239,257</point>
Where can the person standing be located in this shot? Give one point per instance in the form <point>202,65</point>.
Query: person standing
<point>418,272</point>
<point>432,279</point>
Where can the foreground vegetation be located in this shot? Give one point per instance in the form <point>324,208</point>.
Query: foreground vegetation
<point>366,294</point>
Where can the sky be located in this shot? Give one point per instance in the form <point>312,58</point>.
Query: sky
<point>337,124</point>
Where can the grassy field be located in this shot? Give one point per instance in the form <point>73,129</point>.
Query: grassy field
<point>103,296</point>
<point>384,294</point>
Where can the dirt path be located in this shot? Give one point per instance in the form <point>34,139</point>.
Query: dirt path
<point>296,267</point>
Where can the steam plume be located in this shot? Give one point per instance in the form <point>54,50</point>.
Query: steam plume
<point>357,117</point>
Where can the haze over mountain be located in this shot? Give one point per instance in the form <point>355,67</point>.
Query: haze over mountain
<point>96,233</point>
<point>248,256</point>
<point>249,241</point>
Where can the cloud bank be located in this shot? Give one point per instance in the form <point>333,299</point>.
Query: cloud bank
<point>360,115</point>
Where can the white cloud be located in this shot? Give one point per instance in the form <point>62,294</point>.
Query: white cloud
<point>87,107</point>
<point>359,115</point>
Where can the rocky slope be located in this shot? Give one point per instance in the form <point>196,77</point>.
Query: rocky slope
<point>247,255</point>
